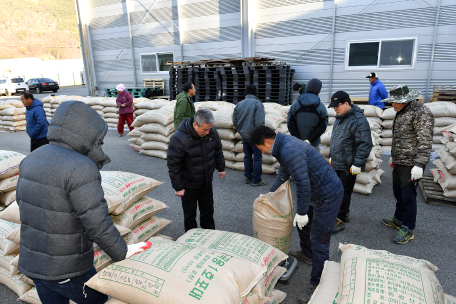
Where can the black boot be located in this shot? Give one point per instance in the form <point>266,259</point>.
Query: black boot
<point>305,297</point>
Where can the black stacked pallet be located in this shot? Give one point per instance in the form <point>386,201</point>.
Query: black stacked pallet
<point>178,76</point>
<point>273,82</point>
<point>234,81</point>
<point>208,84</point>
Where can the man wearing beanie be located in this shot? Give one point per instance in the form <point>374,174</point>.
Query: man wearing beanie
<point>350,146</point>
<point>308,117</point>
<point>410,152</point>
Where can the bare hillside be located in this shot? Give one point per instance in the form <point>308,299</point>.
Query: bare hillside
<point>46,29</point>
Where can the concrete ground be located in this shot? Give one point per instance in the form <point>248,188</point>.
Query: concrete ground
<point>434,235</point>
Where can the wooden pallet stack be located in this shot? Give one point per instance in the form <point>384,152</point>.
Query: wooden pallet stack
<point>444,93</point>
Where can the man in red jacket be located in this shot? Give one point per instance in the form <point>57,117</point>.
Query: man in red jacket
<point>125,102</point>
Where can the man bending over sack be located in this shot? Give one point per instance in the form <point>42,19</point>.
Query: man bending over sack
<point>63,210</point>
<point>319,190</point>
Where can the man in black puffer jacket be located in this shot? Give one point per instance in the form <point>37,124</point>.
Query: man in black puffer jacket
<point>351,144</point>
<point>194,152</point>
<point>63,210</point>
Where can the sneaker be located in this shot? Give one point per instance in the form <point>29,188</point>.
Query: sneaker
<point>404,235</point>
<point>120,135</point>
<point>247,180</point>
<point>339,226</point>
<point>305,297</point>
<point>392,222</point>
<point>299,255</point>
<point>260,183</point>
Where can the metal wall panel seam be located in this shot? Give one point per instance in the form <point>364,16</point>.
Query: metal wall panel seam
<point>131,44</point>
<point>332,49</point>
<point>433,49</point>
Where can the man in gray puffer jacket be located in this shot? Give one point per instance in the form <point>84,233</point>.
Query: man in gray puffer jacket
<point>63,210</point>
<point>308,117</point>
<point>351,144</point>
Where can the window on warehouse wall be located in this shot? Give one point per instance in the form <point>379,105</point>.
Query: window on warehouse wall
<point>381,54</point>
<point>155,63</point>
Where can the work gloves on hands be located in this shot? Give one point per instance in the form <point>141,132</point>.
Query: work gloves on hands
<point>137,248</point>
<point>355,170</point>
<point>417,173</point>
<point>300,220</point>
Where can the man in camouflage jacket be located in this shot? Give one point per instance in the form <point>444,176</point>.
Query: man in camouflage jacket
<point>410,152</point>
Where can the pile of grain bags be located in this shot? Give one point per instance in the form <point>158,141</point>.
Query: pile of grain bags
<point>9,170</point>
<point>366,180</point>
<point>223,122</point>
<point>95,103</point>
<point>48,106</point>
<point>13,119</point>
<point>58,100</point>
<point>153,131</point>
<point>110,111</point>
<point>444,116</point>
<point>142,105</point>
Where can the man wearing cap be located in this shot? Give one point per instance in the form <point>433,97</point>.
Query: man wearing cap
<point>125,103</point>
<point>308,117</point>
<point>377,91</point>
<point>410,152</point>
<point>351,144</point>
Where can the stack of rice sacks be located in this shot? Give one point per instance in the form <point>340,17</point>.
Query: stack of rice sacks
<point>153,129</point>
<point>132,212</point>
<point>445,171</point>
<point>12,116</point>
<point>9,274</point>
<point>58,100</point>
<point>48,106</point>
<point>365,181</point>
<point>444,116</point>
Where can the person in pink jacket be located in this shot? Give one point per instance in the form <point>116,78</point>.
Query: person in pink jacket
<point>125,102</point>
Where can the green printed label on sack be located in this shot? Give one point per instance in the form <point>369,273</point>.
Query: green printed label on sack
<point>386,282</point>
<point>282,243</point>
<point>134,278</point>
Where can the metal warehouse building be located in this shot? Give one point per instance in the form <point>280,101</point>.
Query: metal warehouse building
<point>410,42</point>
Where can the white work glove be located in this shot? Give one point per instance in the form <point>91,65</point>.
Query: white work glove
<point>137,248</point>
<point>417,173</point>
<point>355,170</point>
<point>300,220</point>
<point>391,162</point>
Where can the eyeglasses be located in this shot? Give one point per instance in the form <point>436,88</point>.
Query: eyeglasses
<point>338,105</point>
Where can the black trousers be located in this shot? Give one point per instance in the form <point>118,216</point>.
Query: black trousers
<point>404,190</point>
<point>36,143</point>
<point>202,198</point>
<point>348,181</point>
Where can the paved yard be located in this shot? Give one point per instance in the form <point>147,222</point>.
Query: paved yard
<point>435,233</point>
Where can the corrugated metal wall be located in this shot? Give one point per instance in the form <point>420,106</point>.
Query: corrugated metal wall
<point>285,29</point>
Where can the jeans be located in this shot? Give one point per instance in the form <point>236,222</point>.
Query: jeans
<point>62,291</point>
<point>316,235</point>
<point>348,181</point>
<point>122,118</point>
<point>36,143</point>
<point>202,197</point>
<point>252,168</point>
<point>405,193</point>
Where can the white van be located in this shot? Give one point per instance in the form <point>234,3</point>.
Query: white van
<point>20,84</point>
<point>7,87</point>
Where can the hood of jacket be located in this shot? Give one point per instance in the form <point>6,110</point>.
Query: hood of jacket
<point>314,86</point>
<point>309,100</point>
<point>35,103</point>
<point>355,110</point>
<point>187,128</point>
<point>77,126</point>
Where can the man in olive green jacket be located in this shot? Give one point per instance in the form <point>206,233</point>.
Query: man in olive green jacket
<point>185,107</point>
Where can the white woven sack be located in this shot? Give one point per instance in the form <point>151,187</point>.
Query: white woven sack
<point>378,176</point>
<point>13,282</point>
<point>5,263</point>
<point>444,121</point>
<point>239,147</point>
<point>9,163</point>
<point>146,229</point>
<point>228,155</point>
<point>374,124</point>
<point>109,102</point>
<point>110,110</point>
<point>387,124</point>
<point>135,133</point>
<point>155,153</point>
<point>95,101</point>
<point>12,112</point>
<point>371,111</point>
<point>388,114</point>
<point>156,137</point>
<point>137,141</point>
<point>13,118</point>
<point>9,183</point>
<point>442,109</point>
<point>111,115</point>
<point>325,151</point>
<point>111,120</point>
<point>373,164</point>
<point>141,210</point>
<point>157,128</point>
<point>366,177</point>
<point>227,144</point>
<point>328,289</point>
<point>331,112</point>
<point>331,121</point>
<point>364,189</point>
<point>387,133</point>
<point>155,116</point>
<point>448,160</point>
<point>227,134</point>
<point>273,121</point>
<point>229,164</point>
<point>223,118</point>
<point>387,141</point>
<point>154,145</point>
<point>141,111</point>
